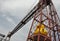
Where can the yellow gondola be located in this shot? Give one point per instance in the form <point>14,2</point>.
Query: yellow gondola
<point>40,29</point>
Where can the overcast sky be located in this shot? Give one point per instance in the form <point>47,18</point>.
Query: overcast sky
<point>13,11</point>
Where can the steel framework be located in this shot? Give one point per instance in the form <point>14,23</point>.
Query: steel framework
<point>1,36</point>
<point>48,17</point>
<point>28,17</point>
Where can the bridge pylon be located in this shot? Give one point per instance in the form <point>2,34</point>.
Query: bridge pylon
<point>45,25</point>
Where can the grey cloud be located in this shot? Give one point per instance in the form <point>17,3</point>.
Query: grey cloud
<point>16,10</point>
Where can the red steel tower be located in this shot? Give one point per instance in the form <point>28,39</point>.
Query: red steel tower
<point>46,24</point>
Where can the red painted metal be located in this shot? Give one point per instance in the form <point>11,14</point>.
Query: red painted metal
<point>49,18</point>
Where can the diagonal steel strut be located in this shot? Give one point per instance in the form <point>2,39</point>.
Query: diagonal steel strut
<point>28,17</point>
<point>2,35</point>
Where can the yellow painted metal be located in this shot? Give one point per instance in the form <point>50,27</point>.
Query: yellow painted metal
<point>40,29</point>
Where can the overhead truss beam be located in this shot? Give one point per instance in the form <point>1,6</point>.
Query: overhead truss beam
<point>29,16</point>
